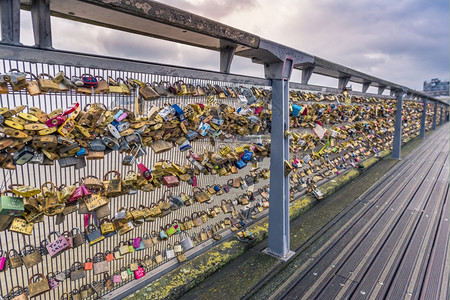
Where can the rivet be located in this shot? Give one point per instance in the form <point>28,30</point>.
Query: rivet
<point>363,293</point>
<point>315,274</point>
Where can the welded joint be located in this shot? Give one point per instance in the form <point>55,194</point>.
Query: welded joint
<point>306,74</point>
<point>365,86</point>
<point>343,81</point>
<point>227,50</point>
<point>381,89</point>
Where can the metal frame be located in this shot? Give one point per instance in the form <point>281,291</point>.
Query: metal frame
<point>423,119</point>
<point>397,145</point>
<point>150,18</point>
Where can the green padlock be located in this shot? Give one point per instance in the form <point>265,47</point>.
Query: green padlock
<point>11,205</point>
<point>129,272</point>
<point>130,245</point>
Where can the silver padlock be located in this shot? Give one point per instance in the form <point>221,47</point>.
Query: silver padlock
<point>113,130</point>
<point>170,253</point>
<point>167,113</point>
<point>37,158</point>
<point>130,159</point>
<point>186,242</point>
<point>123,126</point>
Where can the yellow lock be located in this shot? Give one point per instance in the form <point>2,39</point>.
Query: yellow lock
<point>14,125</point>
<point>28,117</point>
<point>83,131</point>
<point>47,131</point>
<point>35,126</point>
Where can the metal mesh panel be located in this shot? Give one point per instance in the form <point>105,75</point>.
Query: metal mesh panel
<point>35,175</point>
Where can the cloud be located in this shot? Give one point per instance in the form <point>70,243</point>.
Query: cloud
<point>405,42</point>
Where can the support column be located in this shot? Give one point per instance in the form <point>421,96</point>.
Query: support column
<point>434,115</point>
<point>40,16</point>
<point>279,244</point>
<point>423,119</point>
<point>10,18</point>
<point>397,144</point>
<point>441,116</point>
<point>279,184</point>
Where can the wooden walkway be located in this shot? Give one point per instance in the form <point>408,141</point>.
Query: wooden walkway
<point>396,245</point>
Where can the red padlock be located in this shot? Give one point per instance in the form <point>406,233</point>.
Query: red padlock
<point>88,264</point>
<point>58,120</point>
<point>109,256</point>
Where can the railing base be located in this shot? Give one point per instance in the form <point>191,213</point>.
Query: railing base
<point>285,258</point>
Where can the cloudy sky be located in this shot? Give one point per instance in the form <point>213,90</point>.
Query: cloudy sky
<point>403,41</point>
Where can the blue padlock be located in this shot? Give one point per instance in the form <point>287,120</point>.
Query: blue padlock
<point>81,152</point>
<point>296,109</point>
<point>247,156</point>
<point>179,112</point>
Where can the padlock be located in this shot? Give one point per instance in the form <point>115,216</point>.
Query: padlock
<point>93,234</point>
<point>158,257</point>
<point>77,271</point>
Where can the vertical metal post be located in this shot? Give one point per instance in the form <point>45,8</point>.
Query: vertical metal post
<point>10,18</point>
<point>397,144</point>
<point>434,115</point>
<point>40,16</point>
<point>423,119</point>
<point>280,74</point>
<point>279,184</point>
<point>442,115</point>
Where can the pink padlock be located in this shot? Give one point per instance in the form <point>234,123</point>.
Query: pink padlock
<point>86,191</point>
<point>145,171</point>
<point>136,242</point>
<point>117,278</point>
<point>2,260</point>
<point>139,273</point>
<point>58,245</point>
<point>121,117</point>
<point>77,194</point>
<point>52,282</point>
<point>194,180</point>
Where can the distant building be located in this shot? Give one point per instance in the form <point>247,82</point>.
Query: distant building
<point>436,88</point>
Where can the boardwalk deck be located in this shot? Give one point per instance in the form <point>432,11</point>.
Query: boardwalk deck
<point>396,245</point>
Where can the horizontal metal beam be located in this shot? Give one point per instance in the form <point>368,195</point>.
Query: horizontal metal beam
<point>58,57</point>
<point>151,18</point>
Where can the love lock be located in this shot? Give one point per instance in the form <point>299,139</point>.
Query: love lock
<point>110,142</point>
